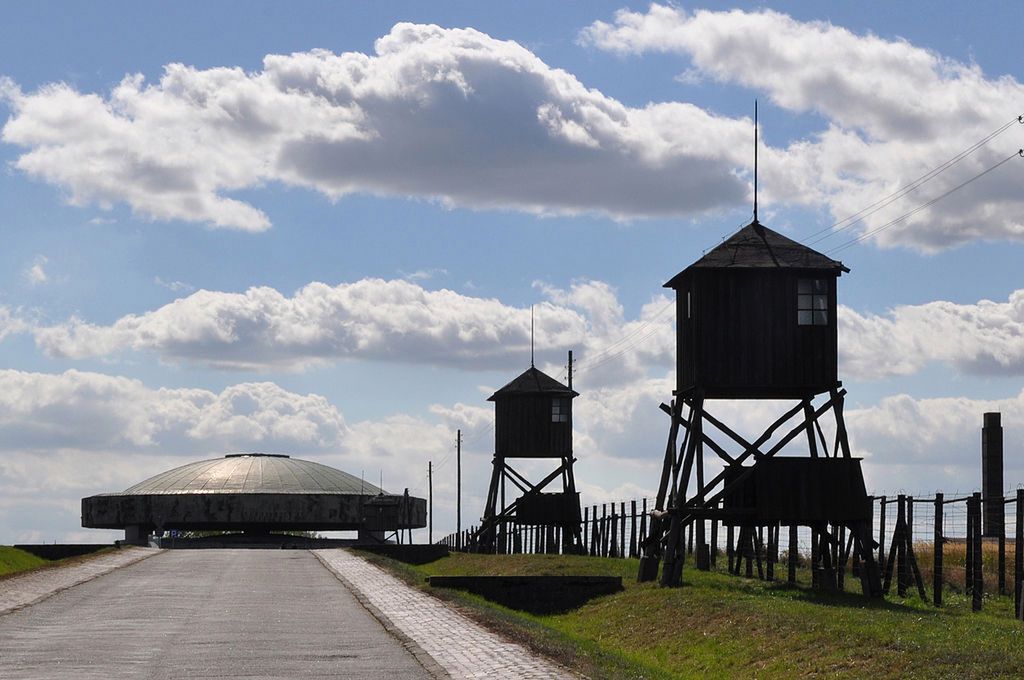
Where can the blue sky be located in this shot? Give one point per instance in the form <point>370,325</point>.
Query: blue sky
<point>333,254</point>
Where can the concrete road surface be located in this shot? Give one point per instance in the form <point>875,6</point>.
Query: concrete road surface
<point>204,614</point>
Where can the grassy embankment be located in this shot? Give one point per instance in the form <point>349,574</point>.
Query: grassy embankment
<point>14,561</point>
<point>724,626</point>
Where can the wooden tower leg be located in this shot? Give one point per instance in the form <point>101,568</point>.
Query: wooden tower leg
<point>485,541</point>
<point>674,548</point>
<point>572,538</point>
<point>651,545</point>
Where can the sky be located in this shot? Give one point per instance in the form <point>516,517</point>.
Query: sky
<point>319,229</point>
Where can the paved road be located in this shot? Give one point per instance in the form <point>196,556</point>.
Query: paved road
<point>203,614</point>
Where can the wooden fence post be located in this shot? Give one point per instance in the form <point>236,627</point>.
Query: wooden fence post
<point>937,541</point>
<point>584,536</point>
<point>881,530</point>
<point>643,521</point>
<point>613,548</point>
<point>793,550</point>
<point>632,529</point>
<point>1018,557</point>
<point>714,540</point>
<point>901,547</point>
<point>622,530</point>
<point>602,532</point>
<point>730,545</point>
<point>978,589</point>
<point>1002,548</point>
<point>969,549</point>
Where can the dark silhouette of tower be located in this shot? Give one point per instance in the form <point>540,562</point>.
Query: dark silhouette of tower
<point>532,420</point>
<point>756,320</point>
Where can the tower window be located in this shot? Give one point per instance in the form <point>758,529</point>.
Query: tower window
<point>812,302</point>
<point>559,410</point>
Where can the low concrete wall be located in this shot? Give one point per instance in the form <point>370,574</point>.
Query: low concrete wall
<point>58,551</point>
<point>410,554</point>
<point>535,594</point>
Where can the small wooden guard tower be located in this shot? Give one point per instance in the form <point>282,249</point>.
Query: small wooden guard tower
<point>532,419</point>
<point>756,319</point>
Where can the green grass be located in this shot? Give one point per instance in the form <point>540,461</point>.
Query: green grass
<point>14,561</point>
<point>722,626</point>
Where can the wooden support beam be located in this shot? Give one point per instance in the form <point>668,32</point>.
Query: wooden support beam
<point>809,419</point>
<point>523,481</point>
<point>838,398</point>
<point>651,545</point>
<point>719,451</point>
<point>792,434</point>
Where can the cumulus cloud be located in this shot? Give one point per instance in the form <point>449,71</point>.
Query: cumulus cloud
<point>447,114</point>
<point>398,320</point>
<point>922,445</point>
<point>985,338</point>
<point>892,110</point>
<point>92,411</point>
<point>374,319</point>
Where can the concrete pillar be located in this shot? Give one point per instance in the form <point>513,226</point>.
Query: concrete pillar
<point>136,534</point>
<point>992,474</point>
<point>367,536</point>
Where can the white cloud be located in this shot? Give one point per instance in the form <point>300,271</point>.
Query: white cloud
<point>65,436</point>
<point>985,338</point>
<point>923,445</point>
<point>892,110</point>
<point>11,323</point>
<point>398,320</point>
<point>92,411</point>
<point>35,273</point>
<point>373,319</point>
<point>69,435</point>
<point>424,274</point>
<point>446,114</point>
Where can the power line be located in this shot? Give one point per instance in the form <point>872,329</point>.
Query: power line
<point>635,331</point>
<point>927,204</point>
<point>888,199</point>
<point>624,350</point>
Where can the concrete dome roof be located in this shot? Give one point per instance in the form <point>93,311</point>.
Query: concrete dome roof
<point>253,473</point>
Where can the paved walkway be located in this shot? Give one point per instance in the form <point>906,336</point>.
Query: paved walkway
<point>205,614</point>
<point>462,647</point>
<point>26,589</point>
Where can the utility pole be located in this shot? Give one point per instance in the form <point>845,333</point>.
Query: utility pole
<point>430,502</point>
<point>458,484</point>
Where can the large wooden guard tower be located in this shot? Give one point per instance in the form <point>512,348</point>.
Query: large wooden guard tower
<point>756,320</point>
<point>532,420</point>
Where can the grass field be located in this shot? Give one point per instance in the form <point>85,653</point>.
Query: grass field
<point>721,626</point>
<point>13,561</point>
